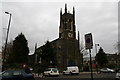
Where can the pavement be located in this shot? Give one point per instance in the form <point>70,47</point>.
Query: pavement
<point>81,76</point>
<point>41,74</point>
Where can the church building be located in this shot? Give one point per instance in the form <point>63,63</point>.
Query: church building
<point>67,45</point>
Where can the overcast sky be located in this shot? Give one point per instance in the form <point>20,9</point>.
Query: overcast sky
<point>39,22</point>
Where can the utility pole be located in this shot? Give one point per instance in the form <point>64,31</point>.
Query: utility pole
<point>4,53</point>
<point>96,54</point>
<point>36,53</point>
<point>91,64</point>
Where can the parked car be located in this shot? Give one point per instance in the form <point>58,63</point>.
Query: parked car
<point>51,72</point>
<point>118,75</point>
<point>71,70</point>
<point>106,70</point>
<point>17,75</point>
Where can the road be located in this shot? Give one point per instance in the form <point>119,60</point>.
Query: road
<point>81,76</point>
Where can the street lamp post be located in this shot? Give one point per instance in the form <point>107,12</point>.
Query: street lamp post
<point>4,53</point>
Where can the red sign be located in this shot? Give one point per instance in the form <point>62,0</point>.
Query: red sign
<point>93,65</point>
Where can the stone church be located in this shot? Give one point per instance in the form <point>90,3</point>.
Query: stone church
<point>66,46</point>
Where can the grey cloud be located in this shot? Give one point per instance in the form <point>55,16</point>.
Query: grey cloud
<point>40,21</point>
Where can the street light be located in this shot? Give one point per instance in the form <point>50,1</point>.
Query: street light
<point>6,40</point>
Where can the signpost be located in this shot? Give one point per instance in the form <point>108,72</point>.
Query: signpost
<point>89,45</point>
<point>88,41</point>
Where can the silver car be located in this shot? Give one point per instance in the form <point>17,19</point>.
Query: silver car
<point>118,75</point>
<point>106,70</point>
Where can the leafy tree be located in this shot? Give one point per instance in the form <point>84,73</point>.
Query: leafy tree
<point>20,49</point>
<point>101,58</point>
<point>48,55</point>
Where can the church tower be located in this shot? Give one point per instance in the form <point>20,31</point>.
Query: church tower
<point>67,24</point>
<point>68,52</point>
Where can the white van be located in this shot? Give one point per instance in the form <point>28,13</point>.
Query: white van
<point>71,70</point>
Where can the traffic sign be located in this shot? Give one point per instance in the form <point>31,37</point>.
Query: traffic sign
<point>88,41</point>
